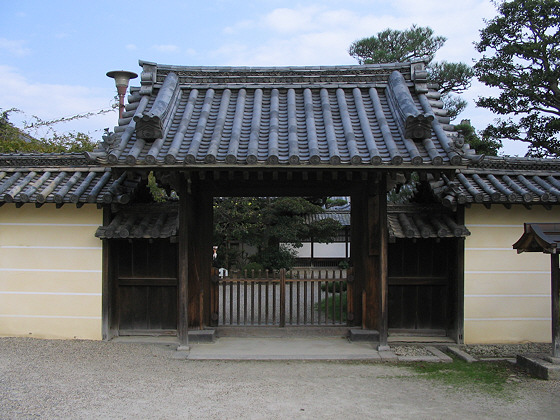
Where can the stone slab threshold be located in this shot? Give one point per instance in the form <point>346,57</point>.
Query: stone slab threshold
<point>305,349</point>
<point>540,366</point>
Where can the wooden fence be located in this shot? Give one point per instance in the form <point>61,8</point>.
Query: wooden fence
<point>282,298</point>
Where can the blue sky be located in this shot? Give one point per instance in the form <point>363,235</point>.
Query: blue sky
<point>54,54</point>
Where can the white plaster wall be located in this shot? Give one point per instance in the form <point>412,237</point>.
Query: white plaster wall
<point>507,295</point>
<point>50,272</point>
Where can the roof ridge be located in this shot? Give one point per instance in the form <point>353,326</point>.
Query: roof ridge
<point>45,159</point>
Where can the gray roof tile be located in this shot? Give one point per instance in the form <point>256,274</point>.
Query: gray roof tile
<point>502,180</point>
<point>60,179</point>
<point>345,115</point>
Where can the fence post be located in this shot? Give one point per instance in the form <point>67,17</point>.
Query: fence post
<point>214,296</point>
<point>282,297</point>
<point>350,296</point>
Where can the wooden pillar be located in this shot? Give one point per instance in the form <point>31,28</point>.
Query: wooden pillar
<point>555,292</point>
<point>199,222</point>
<point>183,264</point>
<point>379,248</point>
<point>369,256</point>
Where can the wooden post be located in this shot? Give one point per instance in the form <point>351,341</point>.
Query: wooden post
<point>183,261</point>
<point>555,291</point>
<point>107,287</point>
<point>369,256</point>
<point>282,297</point>
<point>459,287</point>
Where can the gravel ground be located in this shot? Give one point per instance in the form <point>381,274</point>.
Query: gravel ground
<point>92,379</point>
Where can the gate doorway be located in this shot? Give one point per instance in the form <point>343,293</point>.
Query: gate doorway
<point>145,287</point>
<point>282,298</point>
<point>421,286</point>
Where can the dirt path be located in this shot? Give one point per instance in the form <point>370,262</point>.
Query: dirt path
<point>85,379</point>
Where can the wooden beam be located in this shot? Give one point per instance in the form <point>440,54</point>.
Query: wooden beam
<point>555,300</point>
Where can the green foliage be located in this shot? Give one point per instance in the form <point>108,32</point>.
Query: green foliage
<point>389,46</point>
<point>344,265</point>
<point>480,376</point>
<point>521,57</point>
<point>335,300</point>
<point>451,77</point>
<point>402,194</point>
<point>334,202</point>
<point>253,267</point>
<point>417,44</point>
<point>158,194</point>
<point>265,223</point>
<point>13,139</point>
<point>276,257</point>
<point>483,146</point>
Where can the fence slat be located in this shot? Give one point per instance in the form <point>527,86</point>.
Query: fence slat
<point>283,298</point>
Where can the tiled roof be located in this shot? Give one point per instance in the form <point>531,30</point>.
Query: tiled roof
<point>539,237</point>
<point>142,221</point>
<point>502,181</point>
<point>346,115</point>
<point>341,216</point>
<point>60,179</point>
<point>409,221</point>
<point>152,221</point>
<point>419,222</point>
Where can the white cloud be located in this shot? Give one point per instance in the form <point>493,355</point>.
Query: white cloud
<point>131,47</point>
<point>15,47</point>
<point>53,101</point>
<point>292,20</point>
<point>166,48</point>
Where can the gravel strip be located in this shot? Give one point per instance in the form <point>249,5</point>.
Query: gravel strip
<point>482,351</point>
<point>410,351</point>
